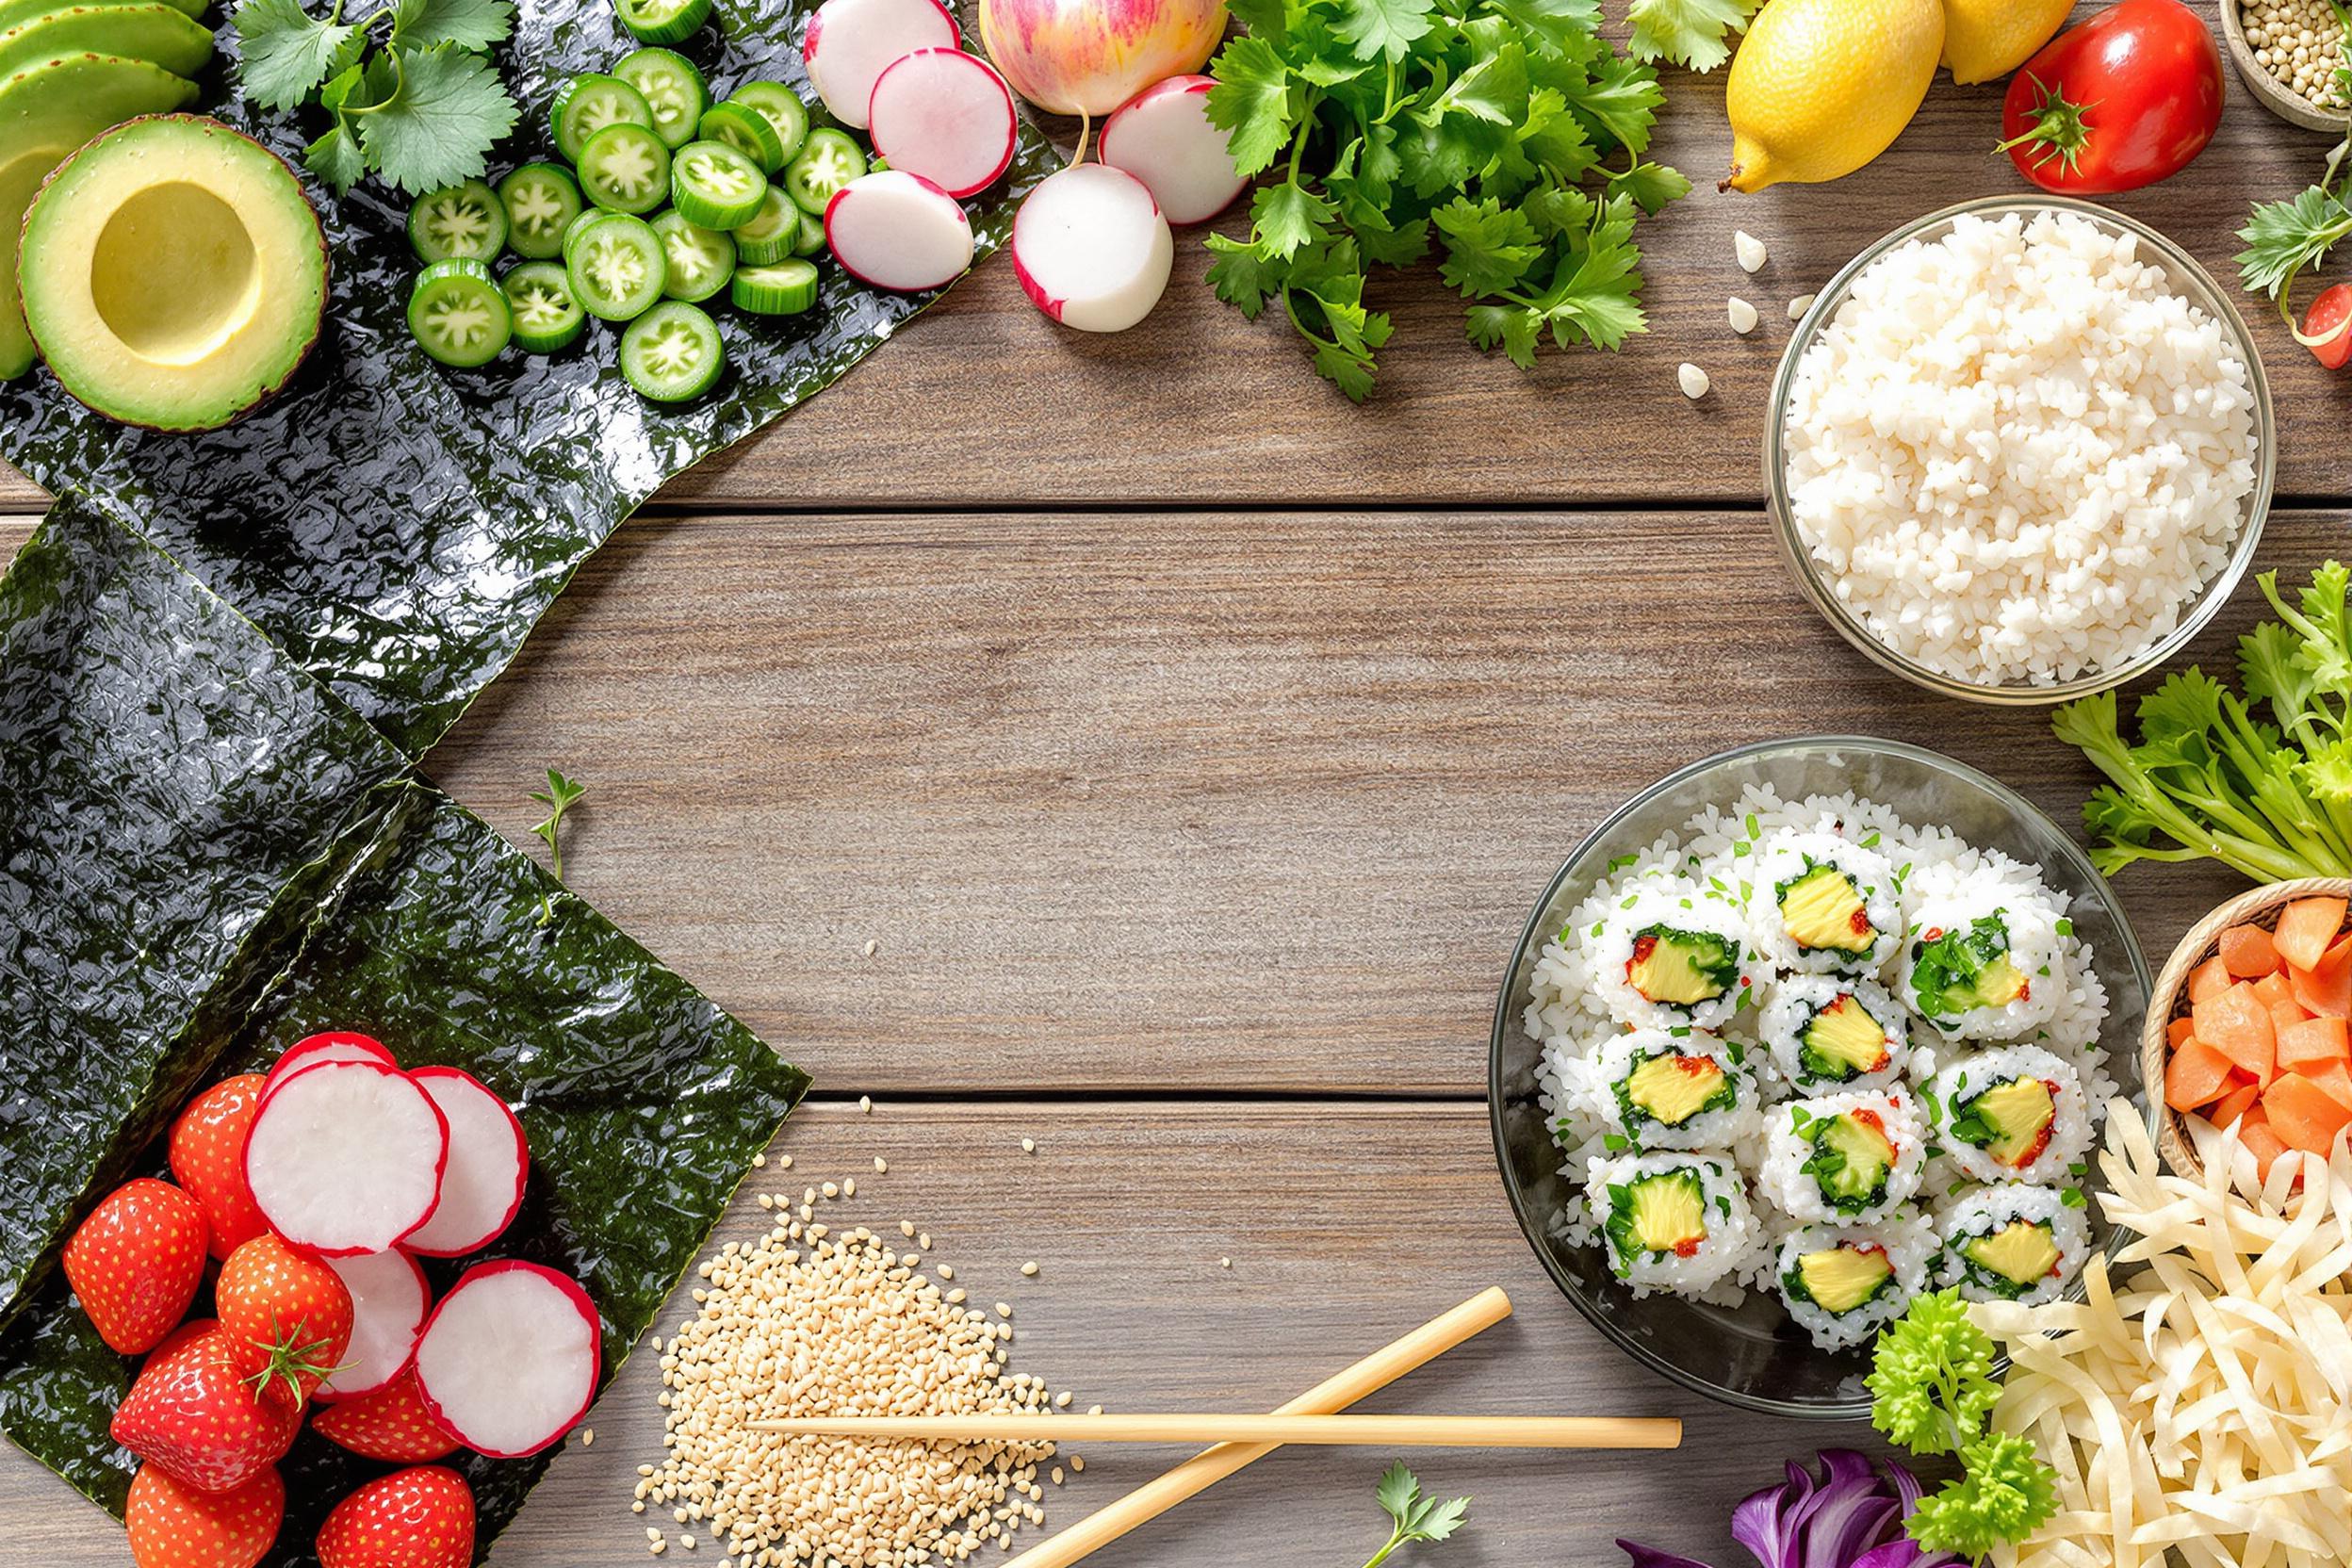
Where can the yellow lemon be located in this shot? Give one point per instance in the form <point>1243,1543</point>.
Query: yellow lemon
<point>1822,86</point>
<point>1985,38</point>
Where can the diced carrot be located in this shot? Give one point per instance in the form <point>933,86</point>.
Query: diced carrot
<point>2273,989</point>
<point>2234,1104</point>
<point>2194,1076</point>
<point>2333,1077</point>
<point>2210,978</point>
<point>2326,992</point>
<point>2178,1030</point>
<point>2248,952</point>
<point>2318,1039</point>
<point>2307,929</point>
<point>2237,1025</point>
<point>2266,1145</point>
<point>2304,1116</point>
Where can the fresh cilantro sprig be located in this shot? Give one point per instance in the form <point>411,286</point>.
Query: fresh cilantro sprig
<point>558,798</point>
<point>1502,135</point>
<point>1414,1516</point>
<point>1688,32</point>
<point>2283,239</point>
<point>410,89</point>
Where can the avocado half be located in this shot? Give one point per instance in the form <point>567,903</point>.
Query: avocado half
<point>173,273</point>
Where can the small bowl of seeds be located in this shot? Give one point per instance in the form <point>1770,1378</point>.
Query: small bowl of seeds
<point>2288,53</point>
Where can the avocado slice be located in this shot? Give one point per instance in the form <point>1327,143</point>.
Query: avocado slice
<point>1681,969</point>
<point>1839,1278</point>
<point>159,33</point>
<point>182,198</point>
<point>2015,1258</point>
<point>1852,1155</point>
<point>1822,910</point>
<point>1843,1041</point>
<point>46,113</point>
<point>1671,1089</point>
<point>2011,1121</point>
<point>1661,1213</point>
<point>15,13</point>
<point>1954,972</point>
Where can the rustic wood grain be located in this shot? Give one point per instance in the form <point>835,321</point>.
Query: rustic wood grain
<point>985,403</point>
<point>1346,1224</point>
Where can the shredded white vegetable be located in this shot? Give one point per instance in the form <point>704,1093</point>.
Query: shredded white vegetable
<point>2204,1407</point>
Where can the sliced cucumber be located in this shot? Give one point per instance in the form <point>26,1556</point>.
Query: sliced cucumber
<point>625,169</point>
<point>784,289</point>
<point>461,220</point>
<point>700,260</point>
<point>588,104</point>
<point>716,186</point>
<point>662,21</point>
<point>672,352</point>
<point>541,200</point>
<point>672,86</point>
<point>781,106</point>
<point>547,315</point>
<point>458,313</point>
<point>811,240</point>
<point>770,234</point>
<point>827,161</point>
<point>747,131</point>
<point>578,226</point>
<point>618,268</point>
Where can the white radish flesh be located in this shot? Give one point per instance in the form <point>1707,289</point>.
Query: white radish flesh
<point>482,1185</point>
<point>946,115</point>
<point>851,42</point>
<point>388,1306</point>
<point>1091,248</point>
<point>346,1157</point>
<point>898,231</point>
<point>507,1361</point>
<point>1162,136</point>
<point>338,1046</point>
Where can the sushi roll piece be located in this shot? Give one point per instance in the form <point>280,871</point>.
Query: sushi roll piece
<point>2012,1114</point>
<point>1670,961</point>
<point>2012,1243</point>
<point>1687,1089</point>
<point>1982,962</point>
<point>1675,1221</point>
<point>1828,1033</point>
<point>1842,1284</point>
<point>1822,904</point>
<point>1844,1159</point>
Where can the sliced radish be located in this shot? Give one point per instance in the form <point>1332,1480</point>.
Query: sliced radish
<point>1091,248</point>
<point>482,1185</point>
<point>898,231</point>
<point>389,1302</point>
<point>509,1358</point>
<point>1162,136</point>
<point>336,1046</point>
<point>346,1157</point>
<point>946,115</point>
<point>851,42</point>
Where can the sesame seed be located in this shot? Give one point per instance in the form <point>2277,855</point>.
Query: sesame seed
<point>849,1188</point>
<point>881,1166</point>
<point>865,1104</point>
<point>1003,1309</point>
<point>872,947</point>
<point>1028,1146</point>
<point>784,1162</point>
<point>1030,1270</point>
<point>758,1161</point>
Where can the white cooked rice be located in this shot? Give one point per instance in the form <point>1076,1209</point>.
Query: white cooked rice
<point>2016,453</point>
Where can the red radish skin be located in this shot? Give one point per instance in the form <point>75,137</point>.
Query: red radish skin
<point>509,1360</point>
<point>390,1302</point>
<point>946,115</point>
<point>335,1046</point>
<point>1162,136</point>
<point>345,1158</point>
<point>1088,56</point>
<point>850,43</point>
<point>898,231</point>
<point>1091,248</point>
<point>481,1187</point>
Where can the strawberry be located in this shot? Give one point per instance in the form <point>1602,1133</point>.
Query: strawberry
<point>191,1413</point>
<point>137,1261</point>
<point>176,1526</point>
<point>287,1315</point>
<point>421,1517</point>
<point>391,1424</point>
<point>208,1157</point>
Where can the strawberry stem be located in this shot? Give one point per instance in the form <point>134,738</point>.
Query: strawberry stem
<point>292,1360</point>
<point>2059,127</point>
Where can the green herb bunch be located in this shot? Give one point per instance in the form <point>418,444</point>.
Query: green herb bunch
<point>1688,32</point>
<point>1502,135</point>
<point>410,87</point>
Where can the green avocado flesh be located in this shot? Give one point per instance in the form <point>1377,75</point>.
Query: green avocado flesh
<point>46,112</point>
<point>1839,1278</point>
<point>2010,1121</point>
<point>1850,1161</point>
<point>1822,909</point>
<point>2022,1253</point>
<point>1680,967</point>
<point>1672,1089</point>
<point>1843,1041</point>
<point>1665,1213</point>
<point>159,33</point>
<point>15,13</point>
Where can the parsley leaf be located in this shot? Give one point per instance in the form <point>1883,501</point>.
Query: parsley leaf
<point>1412,1516</point>
<point>1931,1378</point>
<point>1688,32</point>
<point>1252,103</point>
<point>1383,28</point>
<point>438,127</point>
<point>467,23</point>
<point>2005,1494</point>
<point>559,797</point>
<point>286,51</point>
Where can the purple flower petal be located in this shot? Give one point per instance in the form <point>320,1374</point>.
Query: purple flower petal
<point>1650,1557</point>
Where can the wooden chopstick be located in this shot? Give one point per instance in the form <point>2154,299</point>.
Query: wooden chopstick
<point>1346,1432</point>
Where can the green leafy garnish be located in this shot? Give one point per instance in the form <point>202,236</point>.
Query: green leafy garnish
<point>558,798</point>
<point>1688,32</point>
<point>1931,1384</point>
<point>410,93</point>
<point>1502,135</point>
<point>2005,1494</point>
<point>1414,1516</point>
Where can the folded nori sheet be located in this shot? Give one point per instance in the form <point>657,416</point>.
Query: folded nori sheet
<point>399,526</point>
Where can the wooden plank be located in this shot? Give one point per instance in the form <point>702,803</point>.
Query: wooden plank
<point>985,404</point>
<point>1188,800</point>
<point>1346,1224</point>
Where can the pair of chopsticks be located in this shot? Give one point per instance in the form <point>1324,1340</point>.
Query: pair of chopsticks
<point>1243,1440</point>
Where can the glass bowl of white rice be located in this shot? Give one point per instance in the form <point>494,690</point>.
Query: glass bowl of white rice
<point>1920,850</point>
<point>2020,450</point>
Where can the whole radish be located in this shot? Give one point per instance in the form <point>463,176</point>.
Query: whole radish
<point>1088,56</point>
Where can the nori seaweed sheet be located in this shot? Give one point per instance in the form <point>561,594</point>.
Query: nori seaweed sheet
<point>399,526</point>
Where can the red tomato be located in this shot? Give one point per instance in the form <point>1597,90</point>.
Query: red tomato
<point>2128,98</point>
<point>2329,319</point>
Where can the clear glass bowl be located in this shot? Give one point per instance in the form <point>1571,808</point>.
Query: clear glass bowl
<point>2187,277</point>
<point>1753,1356</point>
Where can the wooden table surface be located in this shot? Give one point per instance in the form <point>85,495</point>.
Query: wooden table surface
<point>1127,744</point>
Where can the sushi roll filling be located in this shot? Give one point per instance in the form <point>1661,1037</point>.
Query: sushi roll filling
<point>1842,1279</point>
<point>2011,1122</point>
<point>1842,1042</point>
<point>1681,969</point>
<point>1957,972</point>
<point>2013,1259</point>
<point>1657,1215</point>
<point>1671,1089</point>
<point>1822,910</point>
<point>1852,1160</point>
